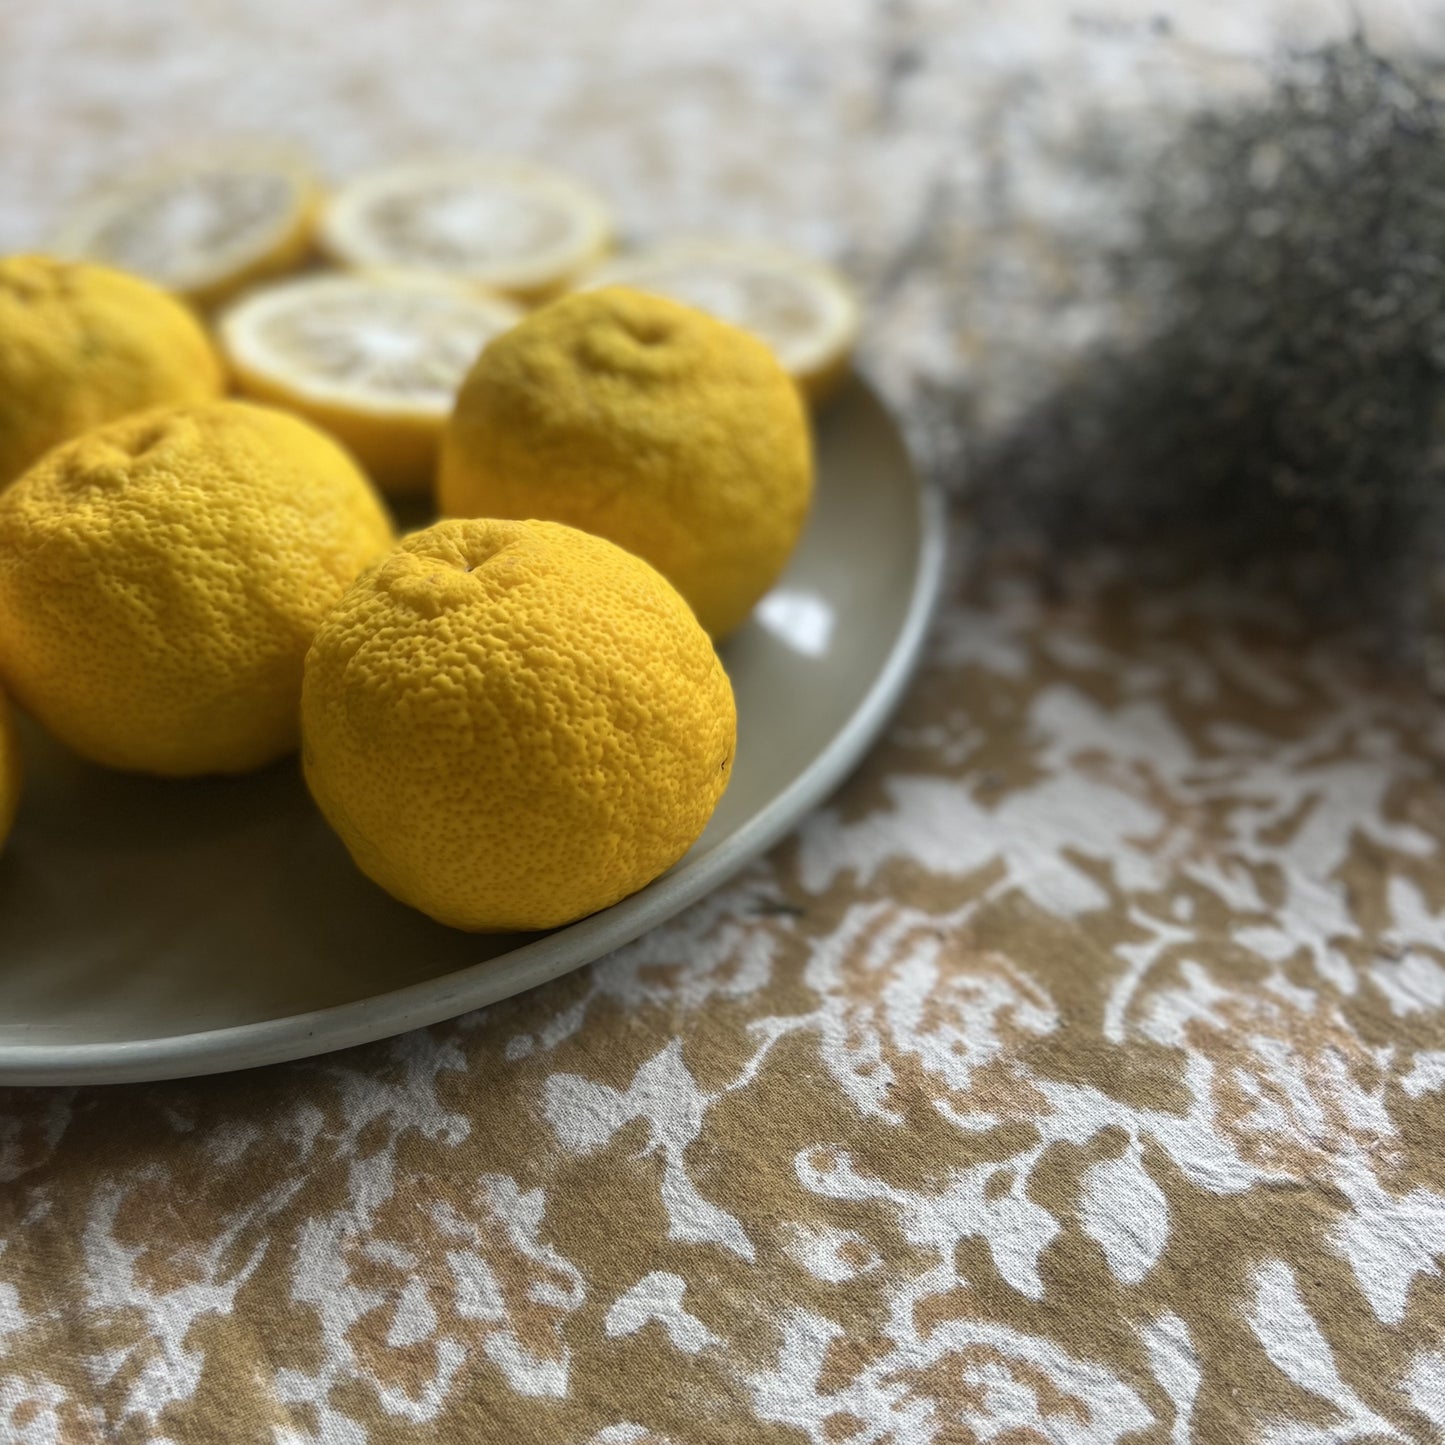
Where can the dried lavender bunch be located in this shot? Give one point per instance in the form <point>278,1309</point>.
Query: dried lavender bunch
<point>1289,392</point>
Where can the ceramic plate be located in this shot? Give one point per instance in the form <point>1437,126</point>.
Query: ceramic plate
<point>153,930</point>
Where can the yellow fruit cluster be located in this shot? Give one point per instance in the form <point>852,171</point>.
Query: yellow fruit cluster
<point>513,717</point>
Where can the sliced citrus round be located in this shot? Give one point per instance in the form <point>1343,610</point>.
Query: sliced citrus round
<point>804,310</point>
<point>517,228</point>
<point>375,360</point>
<point>204,225</point>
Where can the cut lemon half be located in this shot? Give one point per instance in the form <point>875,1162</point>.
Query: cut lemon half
<point>515,228</point>
<point>375,360</point>
<point>204,225</point>
<point>804,310</point>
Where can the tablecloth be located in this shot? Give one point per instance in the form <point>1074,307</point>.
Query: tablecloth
<point>1077,1074</point>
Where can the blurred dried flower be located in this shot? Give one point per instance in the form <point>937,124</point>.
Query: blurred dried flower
<point>1286,397</point>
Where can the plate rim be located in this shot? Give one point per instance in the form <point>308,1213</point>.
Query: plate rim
<point>292,1037</point>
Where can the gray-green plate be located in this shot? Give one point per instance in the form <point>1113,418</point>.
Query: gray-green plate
<point>153,930</point>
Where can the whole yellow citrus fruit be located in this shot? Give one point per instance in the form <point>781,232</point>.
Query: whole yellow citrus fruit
<point>675,435</point>
<point>81,345</point>
<point>10,777</point>
<point>161,578</point>
<point>513,724</point>
<point>804,310</point>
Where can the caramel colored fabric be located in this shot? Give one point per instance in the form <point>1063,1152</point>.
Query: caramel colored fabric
<point>1075,1076</point>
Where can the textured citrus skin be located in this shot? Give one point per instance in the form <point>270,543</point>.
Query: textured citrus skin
<point>514,724</point>
<point>10,775</point>
<point>81,345</point>
<point>674,435</point>
<point>161,578</point>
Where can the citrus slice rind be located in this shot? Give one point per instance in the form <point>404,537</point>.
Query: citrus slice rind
<point>804,310</point>
<point>203,226</point>
<point>398,345</point>
<point>512,227</point>
<point>376,360</point>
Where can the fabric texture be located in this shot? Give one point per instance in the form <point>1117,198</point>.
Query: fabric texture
<point>1076,1075</point>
